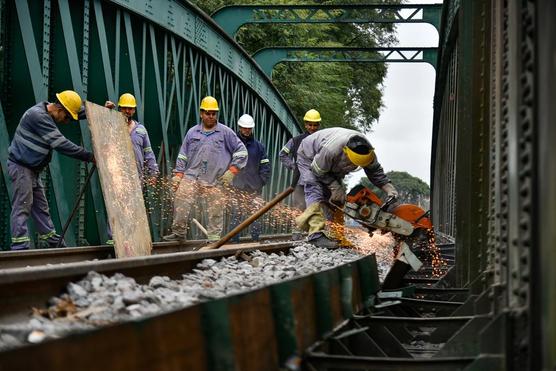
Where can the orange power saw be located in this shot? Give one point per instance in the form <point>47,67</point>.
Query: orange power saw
<point>365,206</point>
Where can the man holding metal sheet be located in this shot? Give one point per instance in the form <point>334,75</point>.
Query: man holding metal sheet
<point>29,153</point>
<point>140,142</point>
<point>251,180</point>
<point>288,157</point>
<point>324,159</point>
<point>211,154</point>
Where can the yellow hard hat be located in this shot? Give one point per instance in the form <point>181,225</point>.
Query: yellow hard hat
<point>359,151</point>
<point>71,102</point>
<point>312,115</point>
<point>209,104</point>
<point>127,100</point>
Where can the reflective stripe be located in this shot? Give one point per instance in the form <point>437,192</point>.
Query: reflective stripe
<point>52,134</point>
<point>47,235</point>
<point>20,239</point>
<point>316,168</point>
<point>240,154</point>
<point>31,145</point>
<point>148,149</point>
<point>110,242</point>
<point>57,142</point>
<point>286,149</point>
<point>32,135</point>
<point>264,161</point>
<point>183,157</point>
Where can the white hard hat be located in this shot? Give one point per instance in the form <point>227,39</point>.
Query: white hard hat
<point>246,121</point>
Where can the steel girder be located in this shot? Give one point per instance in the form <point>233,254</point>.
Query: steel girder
<point>231,18</point>
<point>267,58</point>
<point>493,157</point>
<point>169,56</point>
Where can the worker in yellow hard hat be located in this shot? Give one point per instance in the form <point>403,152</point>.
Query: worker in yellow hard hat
<point>210,156</point>
<point>29,153</point>
<point>324,159</point>
<point>147,167</point>
<point>288,156</point>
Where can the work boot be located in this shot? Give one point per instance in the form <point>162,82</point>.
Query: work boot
<point>323,242</point>
<point>174,237</point>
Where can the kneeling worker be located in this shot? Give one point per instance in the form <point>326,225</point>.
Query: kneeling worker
<point>324,159</point>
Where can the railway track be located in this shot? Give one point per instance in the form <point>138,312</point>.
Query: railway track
<point>35,257</point>
<point>260,329</point>
<point>24,287</point>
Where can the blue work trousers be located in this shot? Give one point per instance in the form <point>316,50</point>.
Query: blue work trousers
<point>29,199</point>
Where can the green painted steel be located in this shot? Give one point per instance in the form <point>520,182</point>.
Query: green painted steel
<point>267,58</point>
<point>346,290</point>
<point>231,18</point>
<point>169,56</point>
<point>218,337</point>
<point>284,320</point>
<point>323,300</point>
<point>368,276</point>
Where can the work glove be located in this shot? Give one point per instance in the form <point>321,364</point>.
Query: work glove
<point>390,190</point>
<point>176,179</point>
<point>227,178</point>
<point>109,104</point>
<point>337,193</point>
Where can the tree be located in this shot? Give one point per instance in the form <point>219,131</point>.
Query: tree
<point>346,94</point>
<point>411,189</point>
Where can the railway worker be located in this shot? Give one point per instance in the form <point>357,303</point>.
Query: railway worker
<point>147,168</point>
<point>29,153</point>
<point>211,154</point>
<point>288,157</point>
<point>251,180</point>
<point>324,159</point>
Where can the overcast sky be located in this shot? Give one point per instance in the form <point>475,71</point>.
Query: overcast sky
<point>402,137</point>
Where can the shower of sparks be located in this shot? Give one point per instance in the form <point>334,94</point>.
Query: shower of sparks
<point>282,218</point>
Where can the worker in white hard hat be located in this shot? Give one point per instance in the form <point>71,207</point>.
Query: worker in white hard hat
<point>324,159</point>
<point>251,180</point>
<point>29,153</point>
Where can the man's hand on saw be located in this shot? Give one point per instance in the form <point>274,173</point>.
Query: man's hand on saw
<point>337,193</point>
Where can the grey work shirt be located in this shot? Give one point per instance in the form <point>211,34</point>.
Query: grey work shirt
<point>205,156</point>
<point>324,150</point>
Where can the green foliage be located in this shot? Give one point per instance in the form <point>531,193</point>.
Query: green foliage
<point>411,189</point>
<point>346,94</point>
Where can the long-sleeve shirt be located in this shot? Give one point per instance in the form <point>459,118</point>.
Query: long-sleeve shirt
<point>205,156</point>
<point>257,171</point>
<point>36,136</point>
<point>324,149</point>
<point>288,153</point>
<point>144,154</point>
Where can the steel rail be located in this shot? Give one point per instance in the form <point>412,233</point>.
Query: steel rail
<point>20,259</point>
<point>23,288</point>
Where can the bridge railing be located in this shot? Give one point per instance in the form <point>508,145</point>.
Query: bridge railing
<point>168,54</point>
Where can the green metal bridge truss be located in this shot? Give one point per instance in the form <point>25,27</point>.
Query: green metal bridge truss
<point>231,18</point>
<point>168,54</point>
<point>267,58</point>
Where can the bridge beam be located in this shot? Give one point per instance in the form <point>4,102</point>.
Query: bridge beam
<point>231,18</point>
<point>267,58</point>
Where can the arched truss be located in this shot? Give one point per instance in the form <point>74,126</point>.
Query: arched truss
<point>168,54</point>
